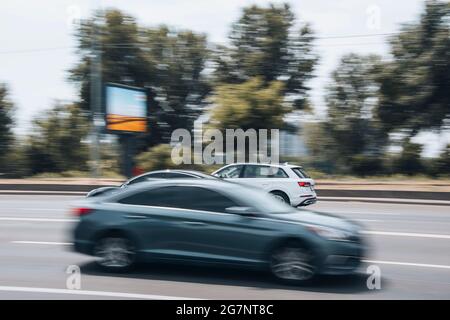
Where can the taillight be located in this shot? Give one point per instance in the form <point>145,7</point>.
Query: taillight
<point>304,184</point>
<point>81,211</point>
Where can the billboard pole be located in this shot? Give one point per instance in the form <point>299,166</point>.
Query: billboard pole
<point>128,141</point>
<point>96,98</point>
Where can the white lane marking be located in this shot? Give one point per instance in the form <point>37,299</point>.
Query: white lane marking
<point>50,193</point>
<point>408,234</point>
<point>43,243</point>
<point>387,200</point>
<point>425,265</point>
<point>35,209</point>
<point>42,209</point>
<point>94,293</point>
<point>36,219</point>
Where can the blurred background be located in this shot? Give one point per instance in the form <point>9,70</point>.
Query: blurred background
<point>356,88</point>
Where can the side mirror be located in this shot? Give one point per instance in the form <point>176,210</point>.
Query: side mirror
<point>242,211</point>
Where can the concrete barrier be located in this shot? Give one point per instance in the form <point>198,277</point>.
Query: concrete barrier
<point>326,194</point>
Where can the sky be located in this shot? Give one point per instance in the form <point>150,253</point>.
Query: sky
<point>37,40</point>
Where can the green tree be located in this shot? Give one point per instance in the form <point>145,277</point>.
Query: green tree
<point>156,158</point>
<point>250,104</point>
<point>409,161</point>
<point>442,164</point>
<point>122,59</point>
<point>321,147</point>
<point>6,125</point>
<point>415,83</point>
<point>55,144</point>
<point>169,62</point>
<point>351,132</point>
<point>180,84</point>
<point>265,44</point>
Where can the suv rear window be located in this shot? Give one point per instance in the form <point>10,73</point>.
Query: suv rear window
<point>252,171</point>
<point>301,173</point>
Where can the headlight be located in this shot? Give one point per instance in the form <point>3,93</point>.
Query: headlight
<point>330,233</point>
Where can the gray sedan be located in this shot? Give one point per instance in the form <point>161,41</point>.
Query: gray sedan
<point>214,222</point>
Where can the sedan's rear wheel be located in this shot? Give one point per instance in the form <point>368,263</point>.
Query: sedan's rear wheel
<point>115,253</point>
<point>293,263</point>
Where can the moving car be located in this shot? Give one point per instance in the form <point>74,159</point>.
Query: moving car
<point>159,174</point>
<point>214,222</point>
<point>288,183</point>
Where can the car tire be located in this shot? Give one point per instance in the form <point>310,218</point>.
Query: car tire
<point>115,253</point>
<point>293,263</point>
<point>281,196</point>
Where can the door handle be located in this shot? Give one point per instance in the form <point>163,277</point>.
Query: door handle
<point>194,224</point>
<point>135,217</point>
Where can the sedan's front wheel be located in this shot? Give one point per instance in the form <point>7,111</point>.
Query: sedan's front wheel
<point>293,263</point>
<point>115,253</point>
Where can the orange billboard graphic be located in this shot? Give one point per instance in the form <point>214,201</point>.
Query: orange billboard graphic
<point>126,109</point>
<point>118,122</point>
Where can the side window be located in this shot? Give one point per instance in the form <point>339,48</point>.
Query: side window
<point>230,172</point>
<point>154,197</point>
<point>158,175</point>
<point>251,171</point>
<point>184,197</point>
<point>174,175</point>
<point>279,173</point>
<point>207,200</point>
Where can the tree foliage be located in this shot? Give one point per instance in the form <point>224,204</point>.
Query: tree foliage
<point>250,104</point>
<point>156,158</point>
<point>55,144</point>
<point>265,44</point>
<point>409,161</point>
<point>6,125</point>
<point>414,84</point>
<point>167,61</point>
<point>351,132</point>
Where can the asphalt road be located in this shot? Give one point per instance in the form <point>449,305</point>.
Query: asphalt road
<point>411,246</point>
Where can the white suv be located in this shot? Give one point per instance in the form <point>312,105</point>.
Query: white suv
<point>288,183</point>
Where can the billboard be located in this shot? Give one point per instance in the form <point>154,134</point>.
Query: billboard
<point>126,109</point>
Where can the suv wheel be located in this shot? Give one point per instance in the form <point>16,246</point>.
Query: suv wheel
<point>281,196</point>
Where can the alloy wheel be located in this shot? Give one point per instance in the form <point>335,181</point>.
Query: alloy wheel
<point>114,253</point>
<point>292,263</point>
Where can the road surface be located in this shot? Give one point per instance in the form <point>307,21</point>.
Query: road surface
<point>411,246</point>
